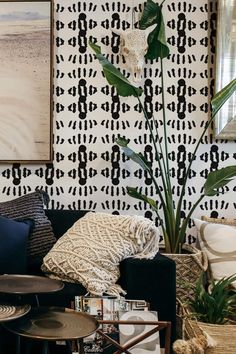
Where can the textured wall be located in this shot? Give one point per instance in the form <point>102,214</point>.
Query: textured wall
<point>88,171</point>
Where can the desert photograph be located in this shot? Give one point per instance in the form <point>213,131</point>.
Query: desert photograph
<point>25,70</point>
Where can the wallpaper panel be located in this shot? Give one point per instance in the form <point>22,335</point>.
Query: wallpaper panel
<point>89,171</point>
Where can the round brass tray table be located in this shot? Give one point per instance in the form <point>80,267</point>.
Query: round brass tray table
<point>18,284</point>
<point>12,312</point>
<point>54,324</point>
<point>28,284</point>
<point>9,312</point>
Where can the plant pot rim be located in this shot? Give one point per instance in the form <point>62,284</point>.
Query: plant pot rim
<point>186,250</point>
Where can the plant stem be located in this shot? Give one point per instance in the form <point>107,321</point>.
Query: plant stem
<point>181,234</point>
<point>162,227</point>
<point>168,206</point>
<point>165,130</point>
<point>160,147</point>
<point>169,198</point>
<point>179,206</point>
<point>154,144</point>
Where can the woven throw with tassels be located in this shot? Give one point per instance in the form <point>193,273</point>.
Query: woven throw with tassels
<point>91,250</point>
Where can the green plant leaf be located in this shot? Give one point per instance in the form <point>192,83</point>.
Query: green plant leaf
<point>122,141</point>
<point>222,96</point>
<point>114,76</point>
<point>136,157</point>
<point>215,306</point>
<point>149,15</point>
<point>218,179</point>
<point>132,192</point>
<point>157,45</point>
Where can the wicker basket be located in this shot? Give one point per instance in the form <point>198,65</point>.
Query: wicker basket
<point>189,267</point>
<point>224,336</point>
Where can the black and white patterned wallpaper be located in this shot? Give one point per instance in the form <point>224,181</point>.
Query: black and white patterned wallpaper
<point>89,171</point>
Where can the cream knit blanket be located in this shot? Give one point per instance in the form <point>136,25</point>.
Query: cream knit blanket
<point>91,250</point>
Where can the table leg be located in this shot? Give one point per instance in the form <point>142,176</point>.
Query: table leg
<point>81,346</point>
<point>1,351</point>
<point>37,300</point>
<point>28,346</point>
<point>68,347</point>
<point>17,344</point>
<point>45,348</point>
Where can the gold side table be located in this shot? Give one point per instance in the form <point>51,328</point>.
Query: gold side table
<point>54,324</point>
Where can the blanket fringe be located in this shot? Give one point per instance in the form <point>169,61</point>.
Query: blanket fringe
<point>146,234</point>
<point>115,290</point>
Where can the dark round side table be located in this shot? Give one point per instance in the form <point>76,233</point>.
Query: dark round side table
<point>9,312</point>
<point>54,324</point>
<point>28,284</point>
<point>20,285</point>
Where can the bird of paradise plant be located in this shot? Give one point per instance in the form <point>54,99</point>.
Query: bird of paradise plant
<point>172,224</point>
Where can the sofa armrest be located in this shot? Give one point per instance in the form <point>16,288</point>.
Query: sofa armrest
<point>153,280</point>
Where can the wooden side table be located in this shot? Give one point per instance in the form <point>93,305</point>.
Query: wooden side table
<point>157,326</point>
<point>54,324</point>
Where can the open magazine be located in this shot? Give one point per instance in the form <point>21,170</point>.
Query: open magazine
<point>110,308</point>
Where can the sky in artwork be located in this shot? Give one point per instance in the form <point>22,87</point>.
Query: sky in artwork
<point>24,10</point>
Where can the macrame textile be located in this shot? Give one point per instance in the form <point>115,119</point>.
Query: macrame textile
<point>91,250</point>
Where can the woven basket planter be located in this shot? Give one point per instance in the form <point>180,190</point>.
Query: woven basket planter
<point>224,336</point>
<point>189,266</point>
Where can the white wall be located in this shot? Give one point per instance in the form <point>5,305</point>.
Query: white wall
<point>88,172</point>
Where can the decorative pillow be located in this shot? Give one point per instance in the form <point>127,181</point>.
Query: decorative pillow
<point>219,243</point>
<point>91,250</point>
<point>13,249</point>
<point>225,221</point>
<point>30,206</point>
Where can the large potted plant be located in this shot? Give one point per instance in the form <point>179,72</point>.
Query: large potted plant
<point>210,314</point>
<point>168,211</point>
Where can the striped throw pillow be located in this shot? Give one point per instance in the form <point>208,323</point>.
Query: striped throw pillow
<point>219,243</point>
<point>31,206</point>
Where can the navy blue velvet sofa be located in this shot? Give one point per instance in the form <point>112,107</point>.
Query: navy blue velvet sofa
<point>152,280</point>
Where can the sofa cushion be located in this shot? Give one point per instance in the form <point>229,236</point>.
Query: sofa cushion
<point>62,220</point>
<point>31,206</point>
<point>219,243</point>
<point>13,240</point>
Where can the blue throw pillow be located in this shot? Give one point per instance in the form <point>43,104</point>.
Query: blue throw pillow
<point>13,245</point>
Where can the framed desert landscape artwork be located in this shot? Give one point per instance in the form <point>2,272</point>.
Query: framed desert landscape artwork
<point>26,81</point>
